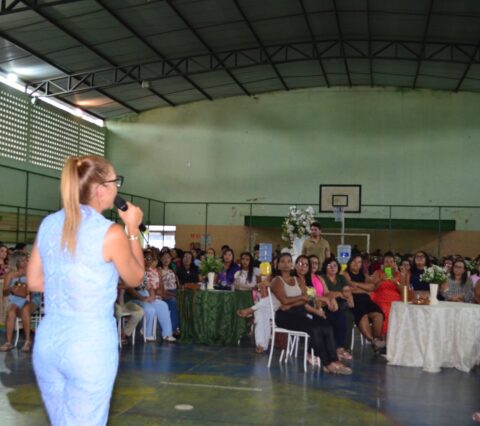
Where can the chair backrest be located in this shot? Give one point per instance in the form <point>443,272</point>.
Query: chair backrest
<point>272,310</point>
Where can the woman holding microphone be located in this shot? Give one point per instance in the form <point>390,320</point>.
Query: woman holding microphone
<point>76,260</point>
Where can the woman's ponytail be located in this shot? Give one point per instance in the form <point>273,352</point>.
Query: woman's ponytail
<point>78,176</point>
<point>70,193</point>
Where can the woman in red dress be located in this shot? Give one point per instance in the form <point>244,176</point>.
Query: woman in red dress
<point>387,287</point>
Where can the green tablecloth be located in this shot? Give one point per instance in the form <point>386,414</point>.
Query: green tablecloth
<point>209,316</point>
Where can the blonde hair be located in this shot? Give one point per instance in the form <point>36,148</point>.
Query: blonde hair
<point>78,175</point>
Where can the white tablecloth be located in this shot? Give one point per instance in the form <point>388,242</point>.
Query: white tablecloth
<point>431,337</point>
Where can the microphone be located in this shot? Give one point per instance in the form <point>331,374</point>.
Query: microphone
<point>122,205</point>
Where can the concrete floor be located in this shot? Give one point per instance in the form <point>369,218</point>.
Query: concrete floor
<point>231,386</point>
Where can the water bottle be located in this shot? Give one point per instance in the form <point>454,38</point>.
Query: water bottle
<point>343,253</point>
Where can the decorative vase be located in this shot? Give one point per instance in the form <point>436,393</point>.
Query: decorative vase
<point>433,294</point>
<point>297,247</point>
<point>211,279</point>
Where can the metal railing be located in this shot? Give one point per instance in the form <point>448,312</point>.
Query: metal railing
<point>23,217</point>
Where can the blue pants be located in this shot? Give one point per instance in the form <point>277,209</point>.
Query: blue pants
<point>75,362</point>
<point>172,305</point>
<point>160,309</point>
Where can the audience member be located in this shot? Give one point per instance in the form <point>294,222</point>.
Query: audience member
<point>291,300</point>
<point>227,276</point>
<point>316,244</point>
<point>459,287</point>
<point>3,259</point>
<point>367,315</point>
<point>476,276</point>
<point>448,264</point>
<point>248,276</point>
<point>188,273</point>
<point>148,296</point>
<point>335,310</point>
<point>134,311</point>
<point>21,303</point>
<point>386,288</point>
<point>170,286</point>
<point>421,261</point>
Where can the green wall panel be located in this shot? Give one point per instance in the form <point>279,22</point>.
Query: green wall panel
<point>329,223</point>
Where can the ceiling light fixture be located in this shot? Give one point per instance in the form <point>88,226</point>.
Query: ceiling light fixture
<point>12,77</point>
<point>12,80</point>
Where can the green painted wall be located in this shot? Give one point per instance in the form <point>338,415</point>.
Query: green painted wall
<point>404,147</point>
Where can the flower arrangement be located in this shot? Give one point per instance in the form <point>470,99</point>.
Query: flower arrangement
<point>471,266</point>
<point>210,264</point>
<point>311,293</point>
<point>297,223</point>
<point>434,275</point>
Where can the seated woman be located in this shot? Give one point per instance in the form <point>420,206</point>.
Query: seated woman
<point>459,287</point>
<point>121,308</point>
<point>248,276</point>
<point>367,315</point>
<point>20,303</point>
<point>188,273</point>
<point>325,299</point>
<point>387,287</point>
<point>448,264</point>
<point>226,277</point>
<point>177,255</point>
<point>476,294</point>
<point>262,313</point>
<point>3,260</point>
<point>421,261</point>
<point>170,285</point>
<point>290,297</point>
<point>476,276</point>
<point>336,288</point>
<point>152,305</point>
<point>405,269</point>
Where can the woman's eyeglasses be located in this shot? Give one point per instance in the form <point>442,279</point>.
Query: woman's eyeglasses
<point>118,181</point>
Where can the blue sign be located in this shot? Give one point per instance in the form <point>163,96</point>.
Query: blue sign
<point>265,252</point>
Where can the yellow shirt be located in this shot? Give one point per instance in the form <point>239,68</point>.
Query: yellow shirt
<point>317,248</point>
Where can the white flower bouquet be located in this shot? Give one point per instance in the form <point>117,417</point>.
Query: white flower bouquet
<point>434,275</point>
<point>297,223</point>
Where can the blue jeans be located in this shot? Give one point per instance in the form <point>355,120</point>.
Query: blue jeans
<point>160,309</point>
<point>172,305</point>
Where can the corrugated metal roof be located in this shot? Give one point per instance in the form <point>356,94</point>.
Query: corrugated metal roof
<point>135,55</point>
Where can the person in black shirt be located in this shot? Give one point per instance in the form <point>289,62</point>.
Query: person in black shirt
<point>188,272</point>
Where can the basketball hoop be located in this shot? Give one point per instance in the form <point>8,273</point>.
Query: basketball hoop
<point>338,213</point>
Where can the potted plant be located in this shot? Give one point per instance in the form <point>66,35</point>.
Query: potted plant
<point>210,266</point>
<point>435,275</point>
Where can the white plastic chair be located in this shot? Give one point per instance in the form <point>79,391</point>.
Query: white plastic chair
<point>292,340</point>
<point>144,329</point>
<point>35,319</point>
<point>120,324</point>
<point>362,340</point>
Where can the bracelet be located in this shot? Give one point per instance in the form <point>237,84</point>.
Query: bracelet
<point>133,237</point>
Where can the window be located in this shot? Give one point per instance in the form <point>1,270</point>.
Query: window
<point>161,236</point>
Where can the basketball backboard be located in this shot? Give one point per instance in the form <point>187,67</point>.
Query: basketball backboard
<point>346,197</point>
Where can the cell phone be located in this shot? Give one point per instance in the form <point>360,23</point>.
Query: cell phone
<point>388,272</point>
